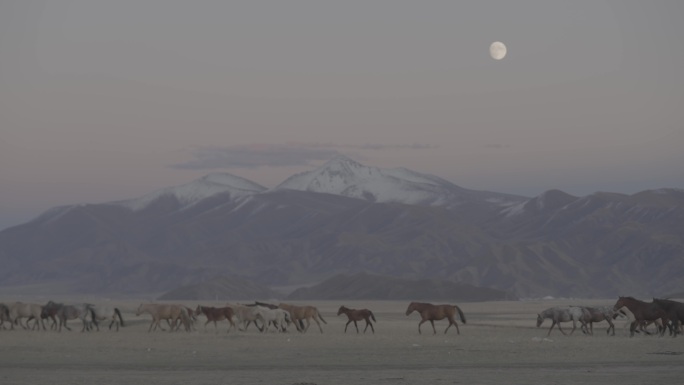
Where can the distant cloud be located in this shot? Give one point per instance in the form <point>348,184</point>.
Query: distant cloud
<point>292,154</point>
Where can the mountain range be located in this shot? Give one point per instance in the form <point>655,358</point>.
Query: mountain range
<point>347,218</point>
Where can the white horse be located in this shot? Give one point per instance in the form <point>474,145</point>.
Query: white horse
<point>19,310</point>
<point>246,315</point>
<point>564,314</point>
<point>280,318</point>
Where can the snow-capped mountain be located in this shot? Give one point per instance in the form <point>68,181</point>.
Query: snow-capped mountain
<point>199,189</point>
<point>343,176</point>
<point>321,223</point>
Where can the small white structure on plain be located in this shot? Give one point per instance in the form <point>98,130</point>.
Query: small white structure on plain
<point>497,50</point>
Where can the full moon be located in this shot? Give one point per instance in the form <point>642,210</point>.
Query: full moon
<point>497,50</point>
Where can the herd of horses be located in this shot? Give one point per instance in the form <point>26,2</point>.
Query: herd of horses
<point>664,313</point>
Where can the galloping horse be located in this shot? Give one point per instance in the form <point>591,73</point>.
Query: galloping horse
<point>598,314</point>
<point>172,313</point>
<point>215,314</point>
<point>102,313</point>
<point>432,313</point>
<point>19,310</point>
<point>306,313</point>
<point>357,315</point>
<point>642,311</point>
<point>564,314</point>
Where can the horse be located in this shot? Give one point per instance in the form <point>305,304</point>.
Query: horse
<point>642,325</point>
<point>357,315</point>
<point>4,315</point>
<point>280,318</point>
<point>674,310</point>
<point>263,304</point>
<point>102,313</point>
<point>19,310</point>
<point>643,311</point>
<point>69,312</point>
<point>50,310</point>
<point>598,314</point>
<point>246,315</point>
<point>306,313</point>
<point>564,314</point>
<point>172,313</point>
<point>215,314</point>
<point>432,313</point>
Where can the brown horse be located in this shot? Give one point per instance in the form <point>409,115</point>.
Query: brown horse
<point>215,314</point>
<point>432,313</point>
<point>642,311</point>
<point>675,312</point>
<point>357,315</point>
<point>306,313</point>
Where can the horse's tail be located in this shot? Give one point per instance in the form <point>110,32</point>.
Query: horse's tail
<point>118,314</point>
<point>460,314</point>
<point>320,316</point>
<point>372,316</point>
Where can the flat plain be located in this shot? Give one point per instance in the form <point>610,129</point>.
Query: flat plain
<point>499,344</point>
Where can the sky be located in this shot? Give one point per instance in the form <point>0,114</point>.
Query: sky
<point>110,100</point>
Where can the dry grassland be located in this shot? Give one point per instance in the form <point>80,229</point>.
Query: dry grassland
<point>499,345</point>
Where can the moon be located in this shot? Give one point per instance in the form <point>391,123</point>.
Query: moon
<point>497,50</point>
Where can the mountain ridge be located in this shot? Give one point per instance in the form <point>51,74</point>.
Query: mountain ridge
<point>602,244</point>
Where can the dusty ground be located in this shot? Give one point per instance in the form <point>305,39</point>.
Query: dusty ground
<point>499,345</point>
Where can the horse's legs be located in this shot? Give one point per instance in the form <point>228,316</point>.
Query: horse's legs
<point>611,326</point>
<point>321,329</point>
<point>553,323</point>
<point>632,328</point>
<point>347,324</point>
<point>434,331</point>
<point>420,323</point>
<point>356,326</point>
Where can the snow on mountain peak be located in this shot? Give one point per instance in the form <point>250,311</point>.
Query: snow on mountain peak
<point>344,176</point>
<point>204,187</point>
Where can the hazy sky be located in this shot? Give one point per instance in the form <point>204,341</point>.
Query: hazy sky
<point>107,100</point>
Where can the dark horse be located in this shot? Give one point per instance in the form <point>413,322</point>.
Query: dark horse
<point>358,315</point>
<point>432,313</point>
<point>674,310</point>
<point>215,314</point>
<point>643,311</point>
